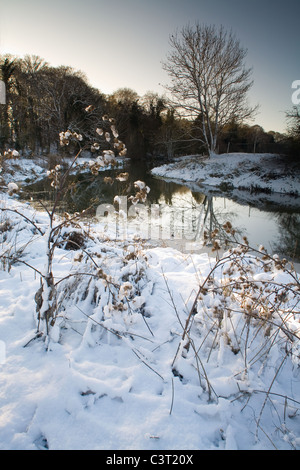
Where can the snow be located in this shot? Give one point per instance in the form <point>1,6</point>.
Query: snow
<point>112,377</point>
<point>19,169</point>
<point>30,170</point>
<point>116,374</point>
<point>235,170</point>
<point>12,187</point>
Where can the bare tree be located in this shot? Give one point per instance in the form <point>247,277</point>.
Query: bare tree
<point>7,76</point>
<point>209,79</point>
<point>293,119</point>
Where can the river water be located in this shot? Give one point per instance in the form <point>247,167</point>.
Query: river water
<point>176,214</point>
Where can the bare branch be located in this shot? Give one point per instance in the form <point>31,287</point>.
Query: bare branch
<point>209,80</point>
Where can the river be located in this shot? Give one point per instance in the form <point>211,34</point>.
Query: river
<point>176,214</point>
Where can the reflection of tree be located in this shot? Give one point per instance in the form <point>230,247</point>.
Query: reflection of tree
<point>289,233</point>
<point>199,197</point>
<point>209,218</point>
<point>210,221</point>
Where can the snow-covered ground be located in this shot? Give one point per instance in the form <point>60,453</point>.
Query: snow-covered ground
<point>265,172</point>
<point>113,376</point>
<point>22,169</point>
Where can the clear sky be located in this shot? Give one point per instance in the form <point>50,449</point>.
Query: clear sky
<point>121,43</point>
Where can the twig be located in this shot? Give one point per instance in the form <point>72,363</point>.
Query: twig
<point>12,258</point>
<point>268,437</point>
<point>120,336</point>
<point>151,368</point>
<point>38,335</point>
<point>193,308</point>
<point>269,389</point>
<point>172,402</point>
<point>277,395</point>
<point>209,386</point>
<point>24,217</point>
<point>172,299</point>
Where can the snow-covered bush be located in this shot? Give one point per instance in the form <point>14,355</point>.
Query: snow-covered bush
<point>66,231</point>
<point>9,154</point>
<point>246,308</point>
<point>212,342</point>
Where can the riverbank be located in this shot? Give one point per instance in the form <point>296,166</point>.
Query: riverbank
<point>29,170</point>
<point>255,173</point>
<point>266,173</point>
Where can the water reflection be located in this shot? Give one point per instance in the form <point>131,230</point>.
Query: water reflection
<point>176,212</point>
<point>289,230</point>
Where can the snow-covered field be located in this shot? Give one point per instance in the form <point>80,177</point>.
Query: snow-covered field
<point>116,374</point>
<point>253,172</point>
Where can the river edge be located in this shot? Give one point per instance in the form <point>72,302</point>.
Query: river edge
<point>261,180</point>
<point>269,174</point>
<point>200,175</point>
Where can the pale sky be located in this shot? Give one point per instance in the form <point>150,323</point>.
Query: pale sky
<point>121,43</point>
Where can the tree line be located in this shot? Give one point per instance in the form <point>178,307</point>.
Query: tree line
<point>42,100</point>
